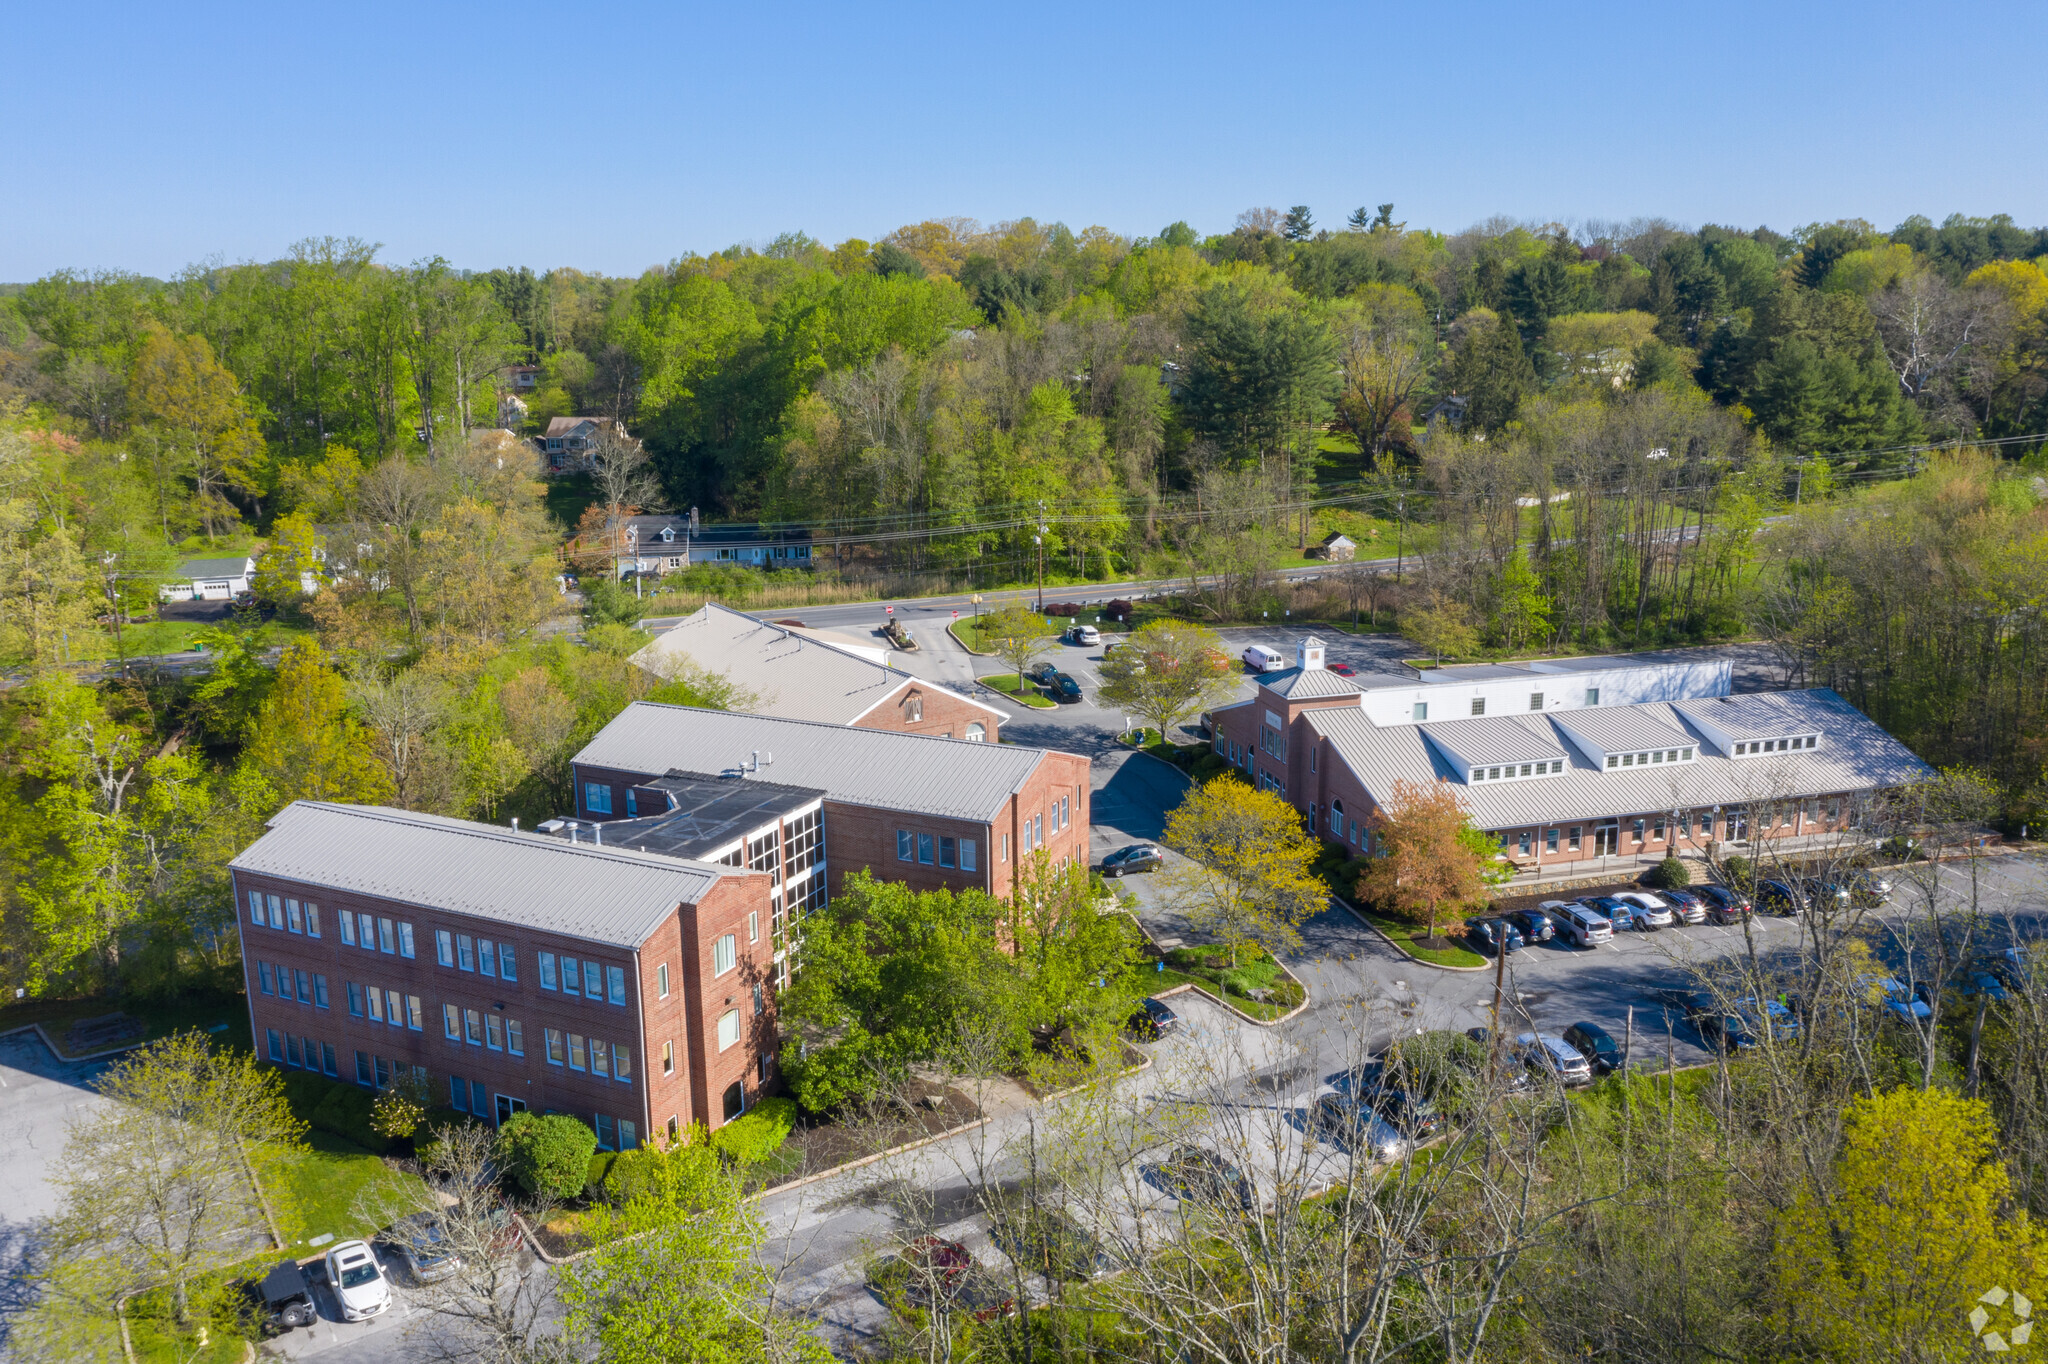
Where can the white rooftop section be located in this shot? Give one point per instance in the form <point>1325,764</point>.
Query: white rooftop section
<point>604,895</point>
<point>1496,739</point>
<point>796,674</point>
<point>1544,685</point>
<point>1599,731</point>
<point>915,773</point>
<point>1729,720</point>
<point>1855,756</point>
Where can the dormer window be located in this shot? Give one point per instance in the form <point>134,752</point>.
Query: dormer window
<point>913,709</point>
<point>668,535</point>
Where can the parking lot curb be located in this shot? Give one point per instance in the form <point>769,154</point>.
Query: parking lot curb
<point>1379,933</point>
<point>63,1055</point>
<point>953,629</point>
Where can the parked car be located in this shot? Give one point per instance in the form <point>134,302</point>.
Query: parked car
<point>1593,1043</point>
<point>1259,659</point>
<point>358,1281</point>
<point>1867,888</point>
<point>1900,1002</point>
<point>1651,913</point>
<point>1534,924</point>
<point>945,1269</point>
<point>1152,1020</point>
<point>1685,1005</point>
<point>1770,1017</point>
<point>1135,857</point>
<point>1084,634</point>
<point>1686,907</point>
<point>282,1300</point>
<point>1064,689</point>
<point>1197,1175</point>
<point>1779,897</point>
<point>1548,1054</point>
<point>1045,674</point>
<point>1724,906</point>
<point>1725,1032</point>
<point>422,1242</point>
<point>1620,914</point>
<point>1828,890</point>
<point>1487,932</point>
<point>1408,1111</point>
<point>1986,985</point>
<point>2010,966</point>
<point>1341,669</point>
<point>1352,1124</point>
<point>1578,923</point>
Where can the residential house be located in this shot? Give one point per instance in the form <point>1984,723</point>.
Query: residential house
<point>659,544</point>
<point>566,445</point>
<point>209,579</point>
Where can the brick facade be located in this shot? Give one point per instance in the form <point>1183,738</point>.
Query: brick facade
<point>636,1028</point>
<point>1055,799</point>
<point>919,708</point>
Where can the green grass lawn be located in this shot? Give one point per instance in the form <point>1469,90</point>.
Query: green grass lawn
<point>1404,935</point>
<point>1028,693</point>
<point>567,496</point>
<point>333,1186</point>
<point>201,1011</point>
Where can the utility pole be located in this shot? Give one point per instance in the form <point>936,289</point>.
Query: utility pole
<point>1039,540</point>
<point>1500,971</point>
<point>1400,534</point>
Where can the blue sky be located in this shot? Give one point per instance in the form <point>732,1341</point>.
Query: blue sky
<point>615,136</point>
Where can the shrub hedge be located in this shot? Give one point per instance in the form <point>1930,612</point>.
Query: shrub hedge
<point>547,1154</point>
<point>758,1134</point>
<point>330,1106</point>
<point>1670,874</point>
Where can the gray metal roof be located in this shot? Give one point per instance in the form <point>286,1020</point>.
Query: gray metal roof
<point>1855,756</point>
<point>605,895</point>
<point>1496,739</point>
<point>915,773</point>
<point>1624,729</point>
<point>214,568</point>
<point>1297,684</point>
<point>794,677</point>
<point>1755,715</point>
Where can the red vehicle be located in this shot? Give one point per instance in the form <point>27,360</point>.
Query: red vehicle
<point>1341,669</point>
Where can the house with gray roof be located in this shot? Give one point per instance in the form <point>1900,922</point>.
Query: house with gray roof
<point>220,579</point>
<point>1570,764</point>
<point>514,971</point>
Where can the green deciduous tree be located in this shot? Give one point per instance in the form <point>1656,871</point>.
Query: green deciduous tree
<point>1247,870</point>
<point>1166,671</point>
<point>1017,635</point>
<point>1889,1262</point>
<point>302,743</point>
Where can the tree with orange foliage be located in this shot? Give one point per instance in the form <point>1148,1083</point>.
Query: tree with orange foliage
<point>1433,863</point>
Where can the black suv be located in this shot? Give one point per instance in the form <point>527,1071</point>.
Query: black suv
<point>1592,1042</point>
<point>281,1299</point>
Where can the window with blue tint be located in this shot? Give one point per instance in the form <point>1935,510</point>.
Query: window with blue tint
<point>458,1094</point>
<point>569,975</point>
<point>615,984</point>
<point>486,958</point>
<point>405,941</point>
<point>327,1060</point>
<point>293,918</point>
<point>291,1051</point>
<point>276,911</point>
<point>276,1044</point>
<point>597,798</point>
<point>508,963</point>
<point>348,928</point>
<point>632,803</point>
<point>263,978</point>
<point>465,952</point>
<point>444,947</point>
<point>593,980</point>
<point>547,970</point>
<point>604,1132</point>
<point>256,908</point>
<point>362,1068</point>
<point>305,987</point>
<point>366,929</point>
<point>479,1099</point>
<point>319,991</point>
<point>924,849</point>
<point>355,999</point>
<point>905,847</point>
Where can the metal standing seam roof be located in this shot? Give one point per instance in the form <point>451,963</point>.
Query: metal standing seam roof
<point>1854,755</point>
<point>600,894</point>
<point>1496,738</point>
<point>913,773</point>
<point>796,677</point>
<point>1297,683</point>
<point>1756,715</point>
<point>1624,729</point>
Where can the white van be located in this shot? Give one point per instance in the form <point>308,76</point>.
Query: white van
<point>1259,659</point>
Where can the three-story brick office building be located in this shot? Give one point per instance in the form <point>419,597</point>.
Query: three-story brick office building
<point>631,989</point>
